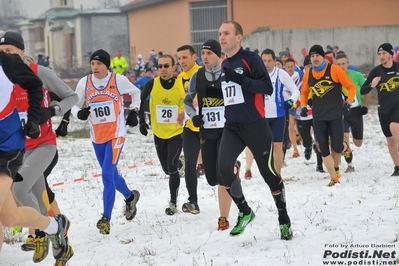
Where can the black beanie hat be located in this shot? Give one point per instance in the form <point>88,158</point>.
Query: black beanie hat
<point>316,49</point>
<point>13,38</point>
<point>101,56</point>
<point>214,46</point>
<point>386,47</point>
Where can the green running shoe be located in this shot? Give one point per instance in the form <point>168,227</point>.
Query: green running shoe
<point>286,232</point>
<point>242,222</point>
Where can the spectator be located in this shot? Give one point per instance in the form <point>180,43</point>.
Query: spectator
<point>43,62</point>
<point>335,49</point>
<point>119,64</point>
<point>140,65</point>
<point>304,54</point>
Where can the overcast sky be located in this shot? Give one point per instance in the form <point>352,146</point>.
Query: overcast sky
<point>34,8</point>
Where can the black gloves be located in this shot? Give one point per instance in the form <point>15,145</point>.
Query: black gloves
<point>143,128</point>
<point>346,108</point>
<point>364,110</point>
<point>46,114</point>
<point>304,112</point>
<point>197,120</point>
<point>62,129</point>
<point>131,119</point>
<point>31,130</point>
<point>288,104</point>
<point>84,113</point>
<point>231,75</point>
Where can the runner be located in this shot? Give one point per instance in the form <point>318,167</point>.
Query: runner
<point>205,85</point>
<point>166,105</point>
<point>12,146</point>
<point>353,121</point>
<point>283,97</point>
<point>31,191</point>
<point>384,78</point>
<point>102,93</point>
<point>325,82</point>
<point>191,140</point>
<point>244,83</point>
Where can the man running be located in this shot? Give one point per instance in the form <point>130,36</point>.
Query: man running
<point>325,81</point>
<point>385,78</point>
<point>102,93</point>
<point>285,94</point>
<point>166,107</point>
<point>244,84</point>
<point>354,120</point>
<point>31,191</point>
<point>12,148</point>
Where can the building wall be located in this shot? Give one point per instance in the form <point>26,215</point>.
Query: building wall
<point>165,26</point>
<point>359,43</point>
<point>288,14</point>
<point>162,27</point>
<point>113,40</point>
<point>83,40</point>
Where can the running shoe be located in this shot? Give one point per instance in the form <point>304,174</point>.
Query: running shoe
<point>29,244</point>
<point>395,171</point>
<point>60,239</point>
<point>172,209</point>
<point>130,208</point>
<point>333,181</point>
<point>223,224</point>
<point>65,257</point>
<point>248,174</point>
<point>242,222</point>
<point>41,248</point>
<point>191,206</point>
<point>104,226</point>
<point>286,232</point>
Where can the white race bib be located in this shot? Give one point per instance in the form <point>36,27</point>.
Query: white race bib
<point>166,114</point>
<point>232,93</point>
<point>355,103</point>
<point>102,112</point>
<point>213,117</point>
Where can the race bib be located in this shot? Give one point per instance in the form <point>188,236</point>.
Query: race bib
<point>213,117</point>
<point>232,93</point>
<point>166,114</point>
<point>355,103</point>
<point>102,112</point>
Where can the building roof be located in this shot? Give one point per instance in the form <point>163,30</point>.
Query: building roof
<point>137,5</point>
<point>68,13</point>
<point>55,13</point>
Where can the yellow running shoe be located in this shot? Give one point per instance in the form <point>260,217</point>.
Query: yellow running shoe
<point>29,245</point>
<point>65,257</point>
<point>41,248</point>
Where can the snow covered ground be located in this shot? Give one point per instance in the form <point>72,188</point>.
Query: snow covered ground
<point>362,211</point>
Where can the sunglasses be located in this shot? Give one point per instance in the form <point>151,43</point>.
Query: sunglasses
<point>164,66</point>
